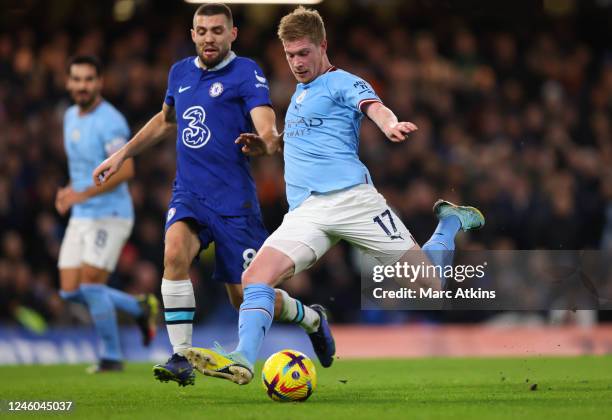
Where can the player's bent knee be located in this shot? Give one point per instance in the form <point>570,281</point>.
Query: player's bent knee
<point>298,256</point>
<point>70,279</point>
<point>176,259</point>
<point>253,275</point>
<point>271,266</point>
<point>91,275</point>
<point>256,274</point>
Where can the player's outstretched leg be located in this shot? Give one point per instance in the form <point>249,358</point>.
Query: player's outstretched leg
<point>470,217</point>
<point>181,246</point>
<point>313,320</point>
<point>143,309</point>
<point>179,310</point>
<point>452,218</point>
<point>322,339</point>
<point>105,321</point>
<point>74,296</point>
<point>254,320</point>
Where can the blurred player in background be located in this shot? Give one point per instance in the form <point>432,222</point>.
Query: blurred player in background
<point>211,99</point>
<point>330,191</point>
<point>102,216</point>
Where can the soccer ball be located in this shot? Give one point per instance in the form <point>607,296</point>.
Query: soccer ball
<point>289,376</point>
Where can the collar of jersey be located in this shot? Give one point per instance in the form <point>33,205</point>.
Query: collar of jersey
<point>228,59</point>
<point>329,70</point>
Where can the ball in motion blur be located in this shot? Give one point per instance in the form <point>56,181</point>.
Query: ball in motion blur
<point>289,376</point>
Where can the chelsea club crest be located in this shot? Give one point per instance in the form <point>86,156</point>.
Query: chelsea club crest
<point>216,89</point>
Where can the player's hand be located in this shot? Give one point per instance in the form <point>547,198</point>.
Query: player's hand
<point>66,198</point>
<point>252,144</point>
<point>59,206</point>
<point>108,168</point>
<point>399,131</point>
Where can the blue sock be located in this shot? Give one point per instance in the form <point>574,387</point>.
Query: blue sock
<point>255,318</point>
<point>124,302</point>
<point>105,319</point>
<point>73,296</point>
<point>440,248</point>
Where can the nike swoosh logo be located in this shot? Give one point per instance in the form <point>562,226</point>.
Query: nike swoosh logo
<point>183,89</point>
<point>260,79</point>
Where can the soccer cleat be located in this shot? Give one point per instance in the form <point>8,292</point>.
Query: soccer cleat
<point>322,339</point>
<point>106,365</point>
<point>233,366</point>
<point>470,217</point>
<point>176,369</point>
<point>147,322</point>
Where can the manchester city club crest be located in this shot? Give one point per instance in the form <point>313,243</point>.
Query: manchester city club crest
<point>216,89</point>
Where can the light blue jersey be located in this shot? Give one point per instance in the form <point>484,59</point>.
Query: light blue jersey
<point>88,140</point>
<point>322,135</point>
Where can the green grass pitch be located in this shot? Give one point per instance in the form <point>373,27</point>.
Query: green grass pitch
<point>578,387</point>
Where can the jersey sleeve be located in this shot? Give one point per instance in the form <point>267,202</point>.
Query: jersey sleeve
<point>254,88</point>
<point>352,91</point>
<point>115,133</point>
<point>169,99</point>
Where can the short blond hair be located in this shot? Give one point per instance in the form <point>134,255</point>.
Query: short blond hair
<point>302,23</point>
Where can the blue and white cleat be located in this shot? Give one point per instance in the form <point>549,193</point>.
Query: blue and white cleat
<point>322,339</point>
<point>470,217</point>
<point>176,369</point>
<point>220,364</point>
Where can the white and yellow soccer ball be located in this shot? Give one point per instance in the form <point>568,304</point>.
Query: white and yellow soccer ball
<point>289,376</point>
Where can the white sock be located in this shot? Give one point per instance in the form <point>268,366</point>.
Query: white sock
<point>179,309</point>
<point>296,312</point>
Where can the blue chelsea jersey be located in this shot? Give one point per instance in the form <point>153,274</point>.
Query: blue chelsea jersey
<point>322,135</point>
<point>88,140</point>
<point>212,109</point>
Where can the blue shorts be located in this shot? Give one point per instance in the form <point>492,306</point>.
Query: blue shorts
<point>236,238</point>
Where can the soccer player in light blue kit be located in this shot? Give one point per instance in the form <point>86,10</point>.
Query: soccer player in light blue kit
<point>101,218</point>
<point>211,99</point>
<point>330,192</point>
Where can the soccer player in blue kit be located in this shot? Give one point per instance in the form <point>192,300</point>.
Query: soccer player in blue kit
<point>211,99</point>
<point>330,192</point>
<point>102,216</point>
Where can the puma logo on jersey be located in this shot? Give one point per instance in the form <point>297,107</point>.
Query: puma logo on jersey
<point>183,89</point>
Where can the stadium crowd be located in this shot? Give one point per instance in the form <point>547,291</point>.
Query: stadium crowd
<point>516,121</point>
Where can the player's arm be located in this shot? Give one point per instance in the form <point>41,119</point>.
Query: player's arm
<point>267,141</point>
<point>158,127</point>
<point>68,197</point>
<point>385,119</point>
